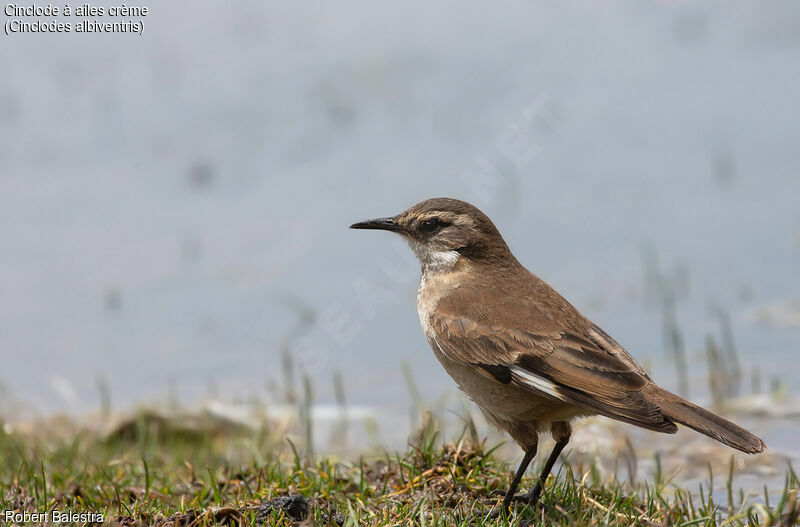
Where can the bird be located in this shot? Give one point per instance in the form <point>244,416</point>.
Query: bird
<point>520,351</point>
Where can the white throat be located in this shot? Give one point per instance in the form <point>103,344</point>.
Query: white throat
<point>434,261</point>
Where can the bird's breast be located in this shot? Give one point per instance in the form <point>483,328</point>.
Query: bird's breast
<point>432,288</point>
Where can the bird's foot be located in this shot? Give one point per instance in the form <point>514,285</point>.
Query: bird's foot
<point>498,511</point>
<point>530,499</point>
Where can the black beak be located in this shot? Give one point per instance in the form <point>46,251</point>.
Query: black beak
<point>384,224</point>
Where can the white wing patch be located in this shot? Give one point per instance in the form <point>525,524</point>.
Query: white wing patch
<point>436,341</point>
<point>536,382</point>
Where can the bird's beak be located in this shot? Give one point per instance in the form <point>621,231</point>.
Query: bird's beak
<point>384,224</point>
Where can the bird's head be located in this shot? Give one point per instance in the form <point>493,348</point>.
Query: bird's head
<point>442,230</point>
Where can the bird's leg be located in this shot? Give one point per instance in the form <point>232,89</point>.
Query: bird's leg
<point>523,465</point>
<point>509,494</point>
<point>561,433</point>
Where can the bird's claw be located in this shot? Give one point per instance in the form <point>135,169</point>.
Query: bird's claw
<point>496,512</point>
<point>504,508</point>
<point>517,498</point>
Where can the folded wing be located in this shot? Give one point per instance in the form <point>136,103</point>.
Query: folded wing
<point>586,369</point>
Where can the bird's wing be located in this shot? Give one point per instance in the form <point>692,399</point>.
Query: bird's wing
<point>587,369</point>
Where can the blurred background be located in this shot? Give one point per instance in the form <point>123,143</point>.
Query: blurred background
<point>175,205</point>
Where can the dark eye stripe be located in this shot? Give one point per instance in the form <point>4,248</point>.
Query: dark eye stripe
<point>431,225</point>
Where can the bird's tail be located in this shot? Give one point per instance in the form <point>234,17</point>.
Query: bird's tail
<point>682,411</point>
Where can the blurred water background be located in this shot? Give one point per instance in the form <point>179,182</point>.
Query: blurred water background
<point>174,206</point>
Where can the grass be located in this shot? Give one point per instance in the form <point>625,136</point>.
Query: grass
<point>149,473</point>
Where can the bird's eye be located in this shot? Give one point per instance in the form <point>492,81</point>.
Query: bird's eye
<point>431,225</point>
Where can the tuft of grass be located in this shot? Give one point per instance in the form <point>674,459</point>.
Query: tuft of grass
<point>170,479</point>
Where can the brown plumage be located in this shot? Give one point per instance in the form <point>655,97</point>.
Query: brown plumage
<point>519,350</point>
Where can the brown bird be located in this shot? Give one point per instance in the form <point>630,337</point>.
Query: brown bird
<point>519,350</point>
